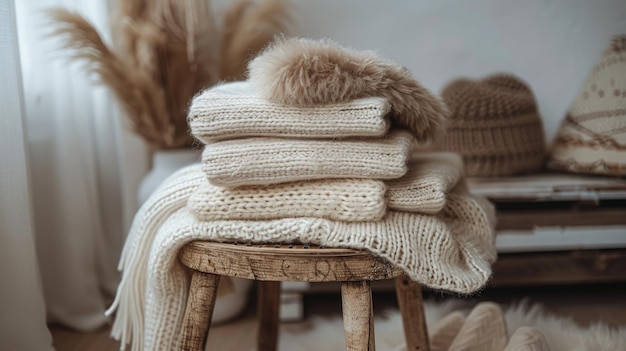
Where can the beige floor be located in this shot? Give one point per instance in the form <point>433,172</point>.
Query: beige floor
<point>585,304</point>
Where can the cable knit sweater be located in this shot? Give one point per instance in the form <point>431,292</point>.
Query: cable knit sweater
<point>450,251</point>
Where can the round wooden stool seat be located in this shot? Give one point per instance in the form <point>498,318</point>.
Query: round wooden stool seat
<point>299,262</point>
<point>270,264</point>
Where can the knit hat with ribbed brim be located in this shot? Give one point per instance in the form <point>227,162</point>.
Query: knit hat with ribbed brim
<point>494,124</point>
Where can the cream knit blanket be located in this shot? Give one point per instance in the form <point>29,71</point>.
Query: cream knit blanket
<point>264,160</point>
<point>235,110</point>
<point>424,189</point>
<point>450,251</point>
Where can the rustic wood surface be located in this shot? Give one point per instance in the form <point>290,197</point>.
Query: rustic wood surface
<point>268,312</point>
<point>271,264</point>
<point>586,216</point>
<point>411,305</point>
<point>551,268</point>
<point>549,187</point>
<point>358,316</point>
<point>199,311</point>
<point>260,262</point>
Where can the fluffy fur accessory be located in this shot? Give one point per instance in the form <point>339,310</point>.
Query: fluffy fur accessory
<point>305,72</point>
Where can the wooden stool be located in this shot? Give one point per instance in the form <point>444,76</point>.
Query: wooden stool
<point>271,264</point>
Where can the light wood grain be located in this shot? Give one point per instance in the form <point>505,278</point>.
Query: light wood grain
<point>269,265</point>
<point>274,263</point>
<point>199,311</point>
<point>411,305</point>
<point>282,264</point>
<point>358,315</point>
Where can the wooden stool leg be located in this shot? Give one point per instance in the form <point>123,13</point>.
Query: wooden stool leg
<point>268,313</point>
<point>412,308</point>
<point>199,311</point>
<point>358,315</point>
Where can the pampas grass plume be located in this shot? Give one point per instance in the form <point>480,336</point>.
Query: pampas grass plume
<point>167,51</point>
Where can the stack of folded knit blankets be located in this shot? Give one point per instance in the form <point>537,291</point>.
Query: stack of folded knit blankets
<point>317,146</point>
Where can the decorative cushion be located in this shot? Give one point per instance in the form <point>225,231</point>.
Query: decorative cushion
<point>592,137</point>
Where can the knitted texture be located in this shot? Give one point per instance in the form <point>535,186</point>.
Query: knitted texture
<point>484,329</point>
<point>451,251</point>
<point>338,199</point>
<point>592,138</point>
<point>304,72</point>
<point>424,189</point>
<point>127,306</point>
<point>426,185</point>
<point>234,110</point>
<point>494,125</point>
<point>527,339</point>
<point>441,334</point>
<point>260,161</point>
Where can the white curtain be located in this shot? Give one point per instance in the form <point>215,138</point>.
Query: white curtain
<point>84,170</point>
<point>22,313</point>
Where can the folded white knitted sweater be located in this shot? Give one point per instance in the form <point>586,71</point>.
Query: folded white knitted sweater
<point>264,160</point>
<point>338,199</point>
<point>450,251</point>
<point>235,110</point>
<point>424,189</point>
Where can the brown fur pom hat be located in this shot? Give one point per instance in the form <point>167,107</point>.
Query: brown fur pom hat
<point>304,72</point>
<point>494,124</point>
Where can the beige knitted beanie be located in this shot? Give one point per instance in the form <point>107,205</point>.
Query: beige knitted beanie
<point>592,138</point>
<point>494,125</point>
<point>304,72</point>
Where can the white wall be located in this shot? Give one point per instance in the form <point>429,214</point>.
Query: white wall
<point>552,45</point>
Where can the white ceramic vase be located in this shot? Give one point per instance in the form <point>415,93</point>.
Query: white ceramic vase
<point>164,164</point>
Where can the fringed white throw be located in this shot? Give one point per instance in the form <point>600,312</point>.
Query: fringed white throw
<point>450,251</point>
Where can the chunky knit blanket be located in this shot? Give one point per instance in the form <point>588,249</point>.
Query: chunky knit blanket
<point>423,189</point>
<point>450,251</point>
<point>235,110</point>
<point>265,160</point>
